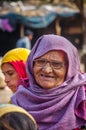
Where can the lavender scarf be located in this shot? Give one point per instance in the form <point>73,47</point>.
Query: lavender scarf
<point>60,108</point>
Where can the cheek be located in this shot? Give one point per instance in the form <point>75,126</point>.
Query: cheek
<point>36,71</point>
<point>61,73</point>
<point>16,77</point>
<point>16,80</point>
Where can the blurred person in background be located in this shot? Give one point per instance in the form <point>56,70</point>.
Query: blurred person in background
<point>13,65</point>
<point>16,118</point>
<point>25,42</point>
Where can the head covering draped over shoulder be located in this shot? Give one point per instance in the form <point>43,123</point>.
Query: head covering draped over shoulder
<point>9,108</point>
<point>62,107</point>
<point>17,57</point>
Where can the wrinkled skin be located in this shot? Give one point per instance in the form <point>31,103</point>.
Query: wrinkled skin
<point>46,76</point>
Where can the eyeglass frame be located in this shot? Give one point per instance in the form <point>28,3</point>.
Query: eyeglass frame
<point>61,65</point>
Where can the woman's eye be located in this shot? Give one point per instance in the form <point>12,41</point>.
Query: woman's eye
<point>41,61</point>
<point>10,73</point>
<point>55,64</point>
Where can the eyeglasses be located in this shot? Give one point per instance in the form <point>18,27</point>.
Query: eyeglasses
<point>53,64</point>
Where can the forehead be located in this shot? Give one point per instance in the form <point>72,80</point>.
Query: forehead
<point>7,66</point>
<point>55,55</point>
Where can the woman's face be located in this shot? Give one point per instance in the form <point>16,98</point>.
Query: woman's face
<point>11,76</point>
<point>49,75</point>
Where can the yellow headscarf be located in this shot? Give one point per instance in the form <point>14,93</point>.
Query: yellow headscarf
<point>7,108</point>
<point>16,55</point>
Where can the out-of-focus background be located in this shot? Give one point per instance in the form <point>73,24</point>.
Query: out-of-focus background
<point>62,17</point>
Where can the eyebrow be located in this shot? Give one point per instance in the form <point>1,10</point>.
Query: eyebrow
<point>50,60</point>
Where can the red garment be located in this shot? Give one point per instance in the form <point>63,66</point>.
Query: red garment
<point>20,68</point>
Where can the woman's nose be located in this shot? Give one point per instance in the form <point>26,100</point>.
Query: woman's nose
<point>7,79</point>
<point>47,68</point>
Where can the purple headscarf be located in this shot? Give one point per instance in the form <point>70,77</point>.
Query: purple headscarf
<point>59,108</point>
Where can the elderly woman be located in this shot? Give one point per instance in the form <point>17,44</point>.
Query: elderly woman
<point>13,117</point>
<point>13,66</point>
<point>56,94</point>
